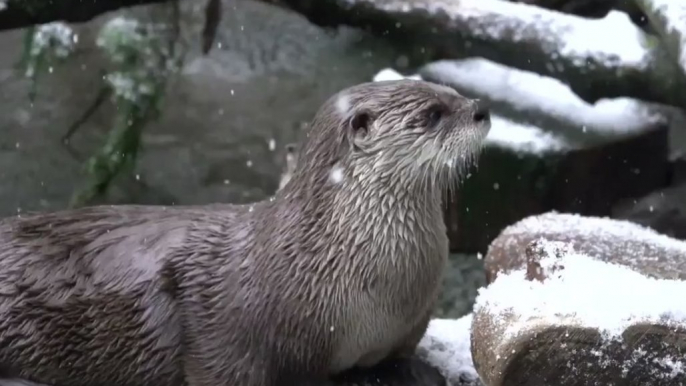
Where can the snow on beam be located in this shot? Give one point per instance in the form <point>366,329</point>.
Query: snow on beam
<point>598,58</point>
<point>668,18</point>
<point>446,345</point>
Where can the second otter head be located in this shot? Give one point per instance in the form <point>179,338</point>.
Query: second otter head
<point>402,128</point>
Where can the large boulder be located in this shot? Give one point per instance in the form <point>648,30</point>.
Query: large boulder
<point>563,318</point>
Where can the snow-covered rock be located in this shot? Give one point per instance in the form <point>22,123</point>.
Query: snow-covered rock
<point>446,346</point>
<point>587,322</point>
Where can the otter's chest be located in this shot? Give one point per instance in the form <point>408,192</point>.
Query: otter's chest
<point>394,301</point>
<point>408,286</point>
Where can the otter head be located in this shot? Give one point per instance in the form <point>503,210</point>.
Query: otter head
<point>408,130</point>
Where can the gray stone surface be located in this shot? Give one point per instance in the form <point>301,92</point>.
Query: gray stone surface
<point>270,74</point>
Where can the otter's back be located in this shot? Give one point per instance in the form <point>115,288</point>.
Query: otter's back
<point>82,297</point>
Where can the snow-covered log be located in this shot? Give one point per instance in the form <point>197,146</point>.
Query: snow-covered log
<point>598,58</point>
<point>668,18</point>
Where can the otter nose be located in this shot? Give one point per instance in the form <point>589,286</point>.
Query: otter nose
<point>482,112</point>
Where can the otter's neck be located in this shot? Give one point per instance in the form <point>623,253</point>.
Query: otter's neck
<point>346,207</point>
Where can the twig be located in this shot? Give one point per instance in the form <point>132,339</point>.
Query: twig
<point>100,98</point>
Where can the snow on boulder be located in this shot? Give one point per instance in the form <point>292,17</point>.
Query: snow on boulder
<point>606,239</point>
<point>565,318</point>
<point>446,346</point>
<point>391,74</point>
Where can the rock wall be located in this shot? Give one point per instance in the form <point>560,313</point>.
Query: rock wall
<point>226,119</point>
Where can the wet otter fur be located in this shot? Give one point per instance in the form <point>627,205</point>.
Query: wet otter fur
<point>339,270</point>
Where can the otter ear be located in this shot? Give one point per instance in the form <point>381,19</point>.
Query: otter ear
<point>359,123</point>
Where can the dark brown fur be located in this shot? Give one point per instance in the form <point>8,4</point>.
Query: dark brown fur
<point>340,269</point>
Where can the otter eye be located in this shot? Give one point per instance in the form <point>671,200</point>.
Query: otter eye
<point>434,115</point>
<point>359,123</point>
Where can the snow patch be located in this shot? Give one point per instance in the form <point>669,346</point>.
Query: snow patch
<point>447,346</point>
<point>387,74</point>
<point>117,36</point>
<point>343,104</point>
<point>126,87</point>
<point>57,35</point>
<point>598,39</point>
<point>588,292</point>
<point>390,74</point>
<point>54,39</point>
<point>336,175</point>
<point>524,138</point>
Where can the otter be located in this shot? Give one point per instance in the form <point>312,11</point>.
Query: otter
<point>339,270</point>
<point>291,162</point>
